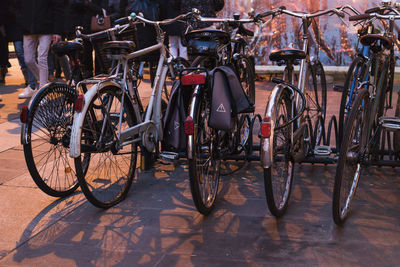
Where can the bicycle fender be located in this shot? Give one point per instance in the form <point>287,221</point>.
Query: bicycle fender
<point>266,156</point>
<point>75,141</point>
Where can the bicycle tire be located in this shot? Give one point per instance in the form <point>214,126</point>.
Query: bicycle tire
<point>244,71</point>
<point>275,181</point>
<point>203,186</point>
<point>47,133</point>
<point>349,164</point>
<point>102,188</point>
<point>354,73</point>
<point>316,101</point>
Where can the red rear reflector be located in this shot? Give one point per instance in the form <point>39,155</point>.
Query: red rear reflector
<point>189,126</point>
<point>79,103</point>
<point>266,127</point>
<point>23,116</point>
<point>193,79</point>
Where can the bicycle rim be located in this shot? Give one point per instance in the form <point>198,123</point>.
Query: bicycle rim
<point>204,167</point>
<point>48,133</point>
<point>111,168</point>
<point>316,99</point>
<point>279,177</point>
<point>349,165</point>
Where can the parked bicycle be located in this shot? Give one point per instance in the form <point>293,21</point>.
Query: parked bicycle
<point>47,122</point>
<point>288,136</point>
<point>110,120</point>
<point>355,72</point>
<point>368,127</point>
<point>212,145</point>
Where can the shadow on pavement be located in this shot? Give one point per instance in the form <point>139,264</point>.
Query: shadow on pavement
<point>158,225</point>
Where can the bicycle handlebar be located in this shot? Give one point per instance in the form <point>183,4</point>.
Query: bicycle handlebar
<point>374,15</point>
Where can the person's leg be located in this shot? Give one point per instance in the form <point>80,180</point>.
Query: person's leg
<point>173,45</point>
<point>87,59</point>
<point>44,45</point>
<point>182,49</point>
<point>30,47</point>
<point>65,66</point>
<point>28,75</point>
<point>3,58</point>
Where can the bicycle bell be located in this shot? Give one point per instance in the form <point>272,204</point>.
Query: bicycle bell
<point>386,2</point>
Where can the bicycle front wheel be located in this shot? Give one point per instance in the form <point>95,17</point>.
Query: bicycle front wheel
<point>278,178</point>
<point>244,71</point>
<point>106,179</point>
<point>204,165</point>
<point>354,76</point>
<point>349,164</point>
<point>48,129</point>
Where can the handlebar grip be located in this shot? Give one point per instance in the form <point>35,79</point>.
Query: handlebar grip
<point>359,17</point>
<point>373,10</point>
<point>120,21</point>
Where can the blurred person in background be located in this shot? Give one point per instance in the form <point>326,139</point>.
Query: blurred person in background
<point>41,22</point>
<point>14,35</point>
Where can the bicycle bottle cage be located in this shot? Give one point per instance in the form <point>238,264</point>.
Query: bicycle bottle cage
<point>205,42</point>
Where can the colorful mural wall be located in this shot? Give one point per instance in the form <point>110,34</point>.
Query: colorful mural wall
<point>334,45</point>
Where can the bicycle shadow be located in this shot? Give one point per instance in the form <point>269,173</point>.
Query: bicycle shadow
<point>158,225</point>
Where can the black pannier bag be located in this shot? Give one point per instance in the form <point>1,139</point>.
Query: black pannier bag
<point>228,98</point>
<point>175,138</point>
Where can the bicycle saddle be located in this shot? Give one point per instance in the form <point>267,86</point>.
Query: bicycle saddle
<point>119,47</point>
<point>287,54</point>
<point>66,47</point>
<point>371,39</point>
<point>208,34</point>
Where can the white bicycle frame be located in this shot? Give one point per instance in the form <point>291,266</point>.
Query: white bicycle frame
<point>153,113</point>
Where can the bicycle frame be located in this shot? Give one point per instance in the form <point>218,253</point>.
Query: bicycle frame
<point>153,114</point>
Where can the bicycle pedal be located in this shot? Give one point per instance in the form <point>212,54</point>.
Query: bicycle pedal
<point>322,150</point>
<point>390,123</point>
<point>169,156</point>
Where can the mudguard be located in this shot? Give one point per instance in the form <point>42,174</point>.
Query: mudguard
<point>75,141</point>
<point>266,151</point>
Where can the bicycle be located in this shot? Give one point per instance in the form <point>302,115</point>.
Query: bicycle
<point>110,121</point>
<point>287,134</point>
<point>354,74</point>
<point>363,142</point>
<point>209,147</point>
<point>47,122</point>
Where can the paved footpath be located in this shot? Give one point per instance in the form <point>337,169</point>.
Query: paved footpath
<point>157,225</point>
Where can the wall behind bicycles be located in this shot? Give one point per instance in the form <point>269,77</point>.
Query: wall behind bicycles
<point>332,41</point>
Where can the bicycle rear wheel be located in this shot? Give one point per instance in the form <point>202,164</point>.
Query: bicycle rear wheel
<point>204,164</point>
<point>111,169</point>
<point>278,178</point>
<point>316,99</point>
<point>349,164</point>
<point>48,129</point>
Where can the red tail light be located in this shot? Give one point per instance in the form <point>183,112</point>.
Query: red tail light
<point>79,103</point>
<point>189,126</point>
<point>23,116</point>
<point>193,79</point>
<point>266,127</point>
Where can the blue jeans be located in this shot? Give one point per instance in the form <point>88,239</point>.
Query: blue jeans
<point>19,51</point>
